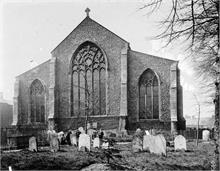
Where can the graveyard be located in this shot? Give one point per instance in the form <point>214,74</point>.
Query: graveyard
<point>142,151</point>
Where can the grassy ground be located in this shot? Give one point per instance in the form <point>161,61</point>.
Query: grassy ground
<point>121,158</point>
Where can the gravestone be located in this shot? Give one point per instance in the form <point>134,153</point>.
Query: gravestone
<point>161,144</point>
<point>205,135</point>
<point>146,142</point>
<point>95,125</point>
<point>33,144</point>
<point>54,143</point>
<point>73,139</point>
<point>96,142</point>
<point>156,144</point>
<point>81,129</point>
<point>180,143</point>
<point>84,141</point>
<point>60,136</point>
<point>137,144</point>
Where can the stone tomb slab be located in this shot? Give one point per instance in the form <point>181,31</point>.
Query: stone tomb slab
<point>84,141</point>
<point>180,143</point>
<point>33,144</point>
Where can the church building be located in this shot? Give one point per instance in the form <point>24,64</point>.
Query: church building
<point>94,74</point>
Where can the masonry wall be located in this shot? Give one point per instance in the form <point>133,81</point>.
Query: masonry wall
<point>88,30</point>
<point>137,64</point>
<point>40,72</point>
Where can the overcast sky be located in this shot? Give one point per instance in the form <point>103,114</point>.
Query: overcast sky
<point>32,29</point>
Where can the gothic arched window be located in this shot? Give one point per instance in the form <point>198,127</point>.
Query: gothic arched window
<point>148,95</point>
<point>88,81</point>
<point>37,101</point>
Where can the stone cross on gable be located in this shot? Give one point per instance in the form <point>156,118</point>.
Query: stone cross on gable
<point>87,12</point>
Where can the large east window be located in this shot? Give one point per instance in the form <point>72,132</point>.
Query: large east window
<point>148,95</point>
<point>88,81</point>
<point>37,101</point>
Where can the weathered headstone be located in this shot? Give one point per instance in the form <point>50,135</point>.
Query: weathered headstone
<point>96,142</point>
<point>180,143</point>
<point>60,136</point>
<point>73,139</point>
<point>205,135</point>
<point>157,144</point>
<point>33,144</point>
<point>84,141</point>
<point>146,142</point>
<point>137,144</point>
<point>81,129</point>
<point>54,143</point>
<point>95,125</point>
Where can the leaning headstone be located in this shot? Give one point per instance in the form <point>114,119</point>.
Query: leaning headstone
<point>84,141</point>
<point>54,143</point>
<point>96,142</point>
<point>205,135</point>
<point>33,144</point>
<point>73,139</point>
<point>180,143</point>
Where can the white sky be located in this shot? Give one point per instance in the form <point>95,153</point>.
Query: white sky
<point>30,30</point>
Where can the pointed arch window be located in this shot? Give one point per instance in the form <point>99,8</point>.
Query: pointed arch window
<point>37,102</point>
<point>148,95</point>
<point>88,81</point>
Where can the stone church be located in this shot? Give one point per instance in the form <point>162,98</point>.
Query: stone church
<point>94,74</point>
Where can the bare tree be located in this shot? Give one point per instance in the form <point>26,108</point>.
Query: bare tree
<point>197,23</point>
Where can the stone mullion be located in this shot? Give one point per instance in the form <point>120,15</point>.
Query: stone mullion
<point>39,108</point>
<point>152,100</point>
<point>99,90</point>
<point>72,95</point>
<point>92,90</point>
<point>78,93</point>
<point>86,89</point>
<point>35,108</point>
<point>145,99</point>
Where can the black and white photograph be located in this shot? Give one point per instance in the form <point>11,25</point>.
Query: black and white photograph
<point>109,85</point>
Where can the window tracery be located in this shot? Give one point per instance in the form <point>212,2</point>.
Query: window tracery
<point>88,81</point>
<point>148,95</point>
